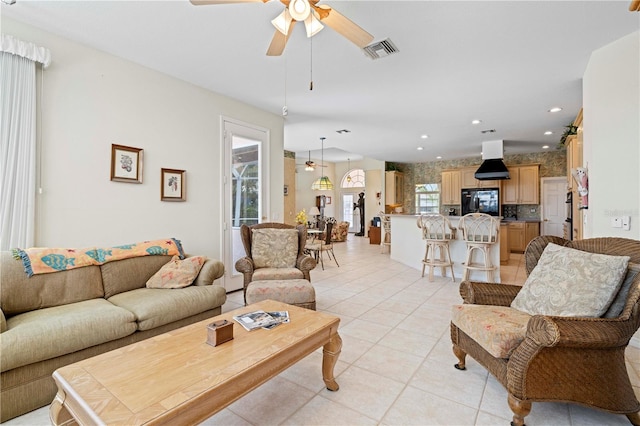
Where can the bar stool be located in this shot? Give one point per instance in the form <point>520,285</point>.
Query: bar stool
<point>480,232</point>
<point>437,232</point>
<point>385,221</point>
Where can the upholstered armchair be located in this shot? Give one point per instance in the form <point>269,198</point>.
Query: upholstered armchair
<point>340,231</point>
<point>274,251</point>
<point>543,357</point>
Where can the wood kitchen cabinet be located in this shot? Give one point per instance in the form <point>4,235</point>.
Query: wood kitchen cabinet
<point>450,187</point>
<point>521,233</point>
<point>469,180</point>
<point>523,187</point>
<point>504,243</point>
<point>394,187</point>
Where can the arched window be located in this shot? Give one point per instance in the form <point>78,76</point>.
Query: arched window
<point>353,179</point>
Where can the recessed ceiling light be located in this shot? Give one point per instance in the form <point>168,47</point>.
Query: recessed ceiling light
<point>439,157</point>
<point>548,132</point>
<point>424,136</point>
<point>555,109</point>
<point>545,146</point>
<point>420,148</point>
<point>476,121</point>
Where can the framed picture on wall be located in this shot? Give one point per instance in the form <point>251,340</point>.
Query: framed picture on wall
<point>328,200</point>
<point>126,164</point>
<point>172,185</point>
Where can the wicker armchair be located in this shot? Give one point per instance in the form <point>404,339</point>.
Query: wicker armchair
<point>567,359</point>
<point>247,267</point>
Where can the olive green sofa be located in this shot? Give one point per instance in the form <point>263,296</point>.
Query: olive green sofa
<point>51,320</point>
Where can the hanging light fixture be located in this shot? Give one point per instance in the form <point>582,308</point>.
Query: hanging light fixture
<point>282,22</point>
<point>309,165</point>
<point>299,9</point>
<point>349,168</point>
<point>323,183</point>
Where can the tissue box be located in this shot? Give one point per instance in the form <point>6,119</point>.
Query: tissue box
<point>219,332</point>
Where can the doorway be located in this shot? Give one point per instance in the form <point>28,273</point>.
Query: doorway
<point>244,192</point>
<point>349,214</point>
<point>554,212</point>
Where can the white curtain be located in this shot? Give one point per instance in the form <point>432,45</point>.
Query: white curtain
<point>18,140</point>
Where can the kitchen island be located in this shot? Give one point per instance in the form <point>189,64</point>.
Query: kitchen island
<point>408,247</point>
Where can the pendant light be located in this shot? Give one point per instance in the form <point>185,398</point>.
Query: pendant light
<point>349,169</point>
<point>323,183</point>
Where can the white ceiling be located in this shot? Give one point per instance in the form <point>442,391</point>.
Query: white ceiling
<point>504,62</point>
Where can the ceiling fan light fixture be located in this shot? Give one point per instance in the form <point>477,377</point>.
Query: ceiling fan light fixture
<point>282,22</point>
<point>299,9</point>
<point>322,184</point>
<point>309,168</point>
<point>312,25</point>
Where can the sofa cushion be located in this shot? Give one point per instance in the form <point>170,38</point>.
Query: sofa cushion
<point>570,282</point>
<point>47,333</point>
<point>277,274</point>
<point>154,307</point>
<point>274,248</point>
<point>130,274</point>
<point>498,329</point>
<point>177,273</point>
<point>20,293</point>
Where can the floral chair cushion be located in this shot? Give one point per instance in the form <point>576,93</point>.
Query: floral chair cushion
<point>498,329</point>
<point>286,291</point>
<point>277,274</point>
<point>340,231</point>
<point>570,282</point>
<point>274,248</point>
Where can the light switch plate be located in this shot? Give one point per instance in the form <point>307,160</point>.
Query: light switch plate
<point>616,222</point>
<point>625,222</point>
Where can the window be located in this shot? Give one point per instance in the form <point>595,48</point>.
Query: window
<point>353,179</point>
<point>428,198</point>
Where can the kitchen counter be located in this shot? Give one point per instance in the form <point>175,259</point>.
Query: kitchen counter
<point>408,247</point>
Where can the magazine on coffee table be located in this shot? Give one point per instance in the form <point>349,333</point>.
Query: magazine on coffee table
<point>280,316</point>
<point>256,319</point>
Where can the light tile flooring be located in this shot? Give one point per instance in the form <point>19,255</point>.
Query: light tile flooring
<point>396,365</point>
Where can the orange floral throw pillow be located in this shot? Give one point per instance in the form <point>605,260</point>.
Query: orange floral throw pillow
<point>177,273</point>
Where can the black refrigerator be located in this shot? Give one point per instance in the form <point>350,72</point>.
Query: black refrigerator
<point>481,200</point>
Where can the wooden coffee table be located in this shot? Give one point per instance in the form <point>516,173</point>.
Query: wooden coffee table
<point>177,378</point>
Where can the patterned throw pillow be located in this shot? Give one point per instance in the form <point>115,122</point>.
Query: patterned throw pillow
<point>617,306</point>
<point>177,273</point>
<point>569,282</point>
<point>274,248</point>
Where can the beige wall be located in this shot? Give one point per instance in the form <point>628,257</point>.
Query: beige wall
<point>91,100</point>
<point>612,137</point>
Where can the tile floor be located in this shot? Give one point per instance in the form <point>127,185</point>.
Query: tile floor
<point>396,365</point>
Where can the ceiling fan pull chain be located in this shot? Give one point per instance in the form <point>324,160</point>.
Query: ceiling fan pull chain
<point>311,66</point>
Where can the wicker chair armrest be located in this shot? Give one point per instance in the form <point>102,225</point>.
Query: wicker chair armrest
<point>480,293</point>
<point>305,263</point>
<point>3,322</point>
<point>577,332</point>
<point>245,265</point>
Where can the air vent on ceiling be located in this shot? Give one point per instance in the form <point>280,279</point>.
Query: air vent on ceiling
<point>488,131</point>
<point>380,49</point>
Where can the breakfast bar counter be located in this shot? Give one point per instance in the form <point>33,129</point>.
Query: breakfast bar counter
<point>408,247</point>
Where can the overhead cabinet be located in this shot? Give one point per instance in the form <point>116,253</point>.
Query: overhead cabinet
<point>394,187</point>
<point>469,180</point>
<point>451,187</point>
<point>523,187</point>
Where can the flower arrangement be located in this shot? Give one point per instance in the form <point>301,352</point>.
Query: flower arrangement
<point>301,217</point>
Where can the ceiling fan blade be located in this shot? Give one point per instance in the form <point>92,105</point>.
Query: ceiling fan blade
<point>205,2</point>
<point>344,26</point>
<point>279,41</point>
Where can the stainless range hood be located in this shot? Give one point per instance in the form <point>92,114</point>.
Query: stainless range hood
<point>492,168</point>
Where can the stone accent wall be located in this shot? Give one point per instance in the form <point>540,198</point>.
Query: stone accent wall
<point>552,164</point>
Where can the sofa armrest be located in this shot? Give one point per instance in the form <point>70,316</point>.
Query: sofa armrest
<point>3,322</point>
<point>211,271</point>
<point>579,332</point>
<point>479,293</point>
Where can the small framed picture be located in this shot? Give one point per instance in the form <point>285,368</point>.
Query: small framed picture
<point>126,164</point>
<point>328,200</point>
<point>172,185</point>
<point>286,190</point>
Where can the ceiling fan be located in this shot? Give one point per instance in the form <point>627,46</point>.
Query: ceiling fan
<point>313,16</point>
<point>309,165</point>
